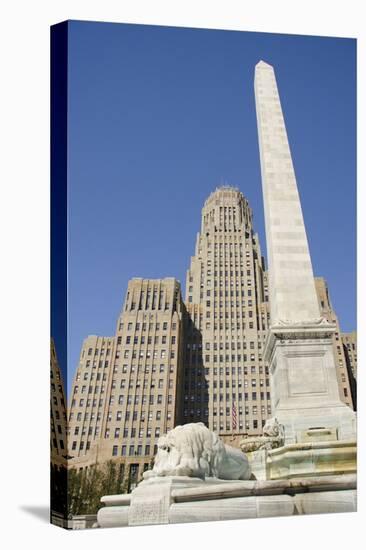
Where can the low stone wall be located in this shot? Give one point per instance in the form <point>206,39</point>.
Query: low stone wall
<point>181,500</point>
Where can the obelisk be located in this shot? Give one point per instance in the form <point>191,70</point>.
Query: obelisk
<point>304,385</point>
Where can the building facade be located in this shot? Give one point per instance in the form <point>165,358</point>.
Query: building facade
<point>58,418</point>
<point>346,381</point>
<point>226,384</point>
<point>89,398</point>
<point>125,393</point>
<point>173,362</point>
<point>349,340</point>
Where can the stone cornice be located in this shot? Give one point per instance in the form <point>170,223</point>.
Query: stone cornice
<point>284,330</point>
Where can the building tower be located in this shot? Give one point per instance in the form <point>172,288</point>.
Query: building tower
<point>225,381</point>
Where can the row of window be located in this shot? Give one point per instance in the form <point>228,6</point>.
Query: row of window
<point>92,416</point>
<point>148,340</point>
<point>140,307</point>
<point>228,383</point>
<point>91,389</point>
<point>146,383</point>
<point>226,272</point>
<point>97,376</point>
<point>233,345</point>
<point>126,432</point>
<point>231,326</point>
<point>220,370</point>
<point>133,450</point>
<point>145,368</point>
<point>232,427</point>
<point>147,326</point>
<point>97,364</point>
<point>148,354</point>
<point>144,399</point>
<point>128,415</point>
<point>194,357</point>
<point>227,397</point>
<point>121,399</point>
<point>233,358</point>
<point>96,351</point>
<point>221,282</point>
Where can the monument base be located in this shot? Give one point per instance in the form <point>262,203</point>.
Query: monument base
<point>311,457</point>
<point>183,499</point>
<point>304,385</point>
<point>303,460</point>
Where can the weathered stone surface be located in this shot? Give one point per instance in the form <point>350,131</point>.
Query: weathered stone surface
<point>183,499</point>
<point>291,289</point>
<point>327,502</point>
<point>306,459</point>
<point>195,451</point>
<point>150,503</point>
<point>232,508</point>
<point>113,516</point>
<point>304,387</point>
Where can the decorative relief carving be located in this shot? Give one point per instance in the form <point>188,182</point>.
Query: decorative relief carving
<point>299,322</point>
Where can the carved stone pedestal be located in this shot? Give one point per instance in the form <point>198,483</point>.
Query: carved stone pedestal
<point>304,386</point>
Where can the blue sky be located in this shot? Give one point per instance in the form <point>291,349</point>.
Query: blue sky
<point>160,116</point>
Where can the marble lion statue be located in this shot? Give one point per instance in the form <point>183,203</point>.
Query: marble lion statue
<point>195,451</point>
<point>273,428</point>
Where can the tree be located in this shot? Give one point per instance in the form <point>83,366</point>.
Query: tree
<point>86,487</point>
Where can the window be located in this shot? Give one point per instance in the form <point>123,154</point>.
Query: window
<point>115,450</point>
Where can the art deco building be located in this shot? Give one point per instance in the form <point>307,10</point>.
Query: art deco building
<point>58,412</point>
<point>89,398</point>
<point>172,363</point>
<point>346,381</point>
<point>349,340</point>
<point>125,391</point>
<point>226,383</point>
